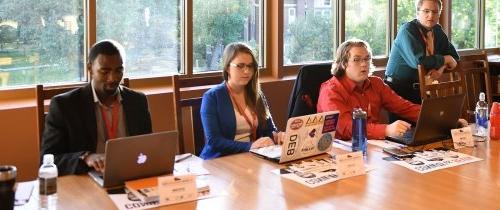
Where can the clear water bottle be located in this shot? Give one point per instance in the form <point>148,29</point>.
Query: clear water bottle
<point>359,130</point>
<point>47,178</point>
<point>481,116</point>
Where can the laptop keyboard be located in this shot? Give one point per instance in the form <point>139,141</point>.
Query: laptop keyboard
<point>273,151</point>
<point>408,135</point>
<point>97,174</point>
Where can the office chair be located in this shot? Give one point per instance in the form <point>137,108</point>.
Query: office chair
<point>305,92</point>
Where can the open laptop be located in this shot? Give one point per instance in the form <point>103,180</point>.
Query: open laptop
<point>135,157</point>
<point>437,117</point>
<point>305,136</point>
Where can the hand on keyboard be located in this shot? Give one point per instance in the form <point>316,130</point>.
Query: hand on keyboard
<point>397,128</point>
<point>262,142</point>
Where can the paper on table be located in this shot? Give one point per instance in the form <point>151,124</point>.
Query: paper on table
<point>23,192</point>
<point>190,165</point>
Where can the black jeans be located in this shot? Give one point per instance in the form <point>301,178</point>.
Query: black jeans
<point>407,90</point>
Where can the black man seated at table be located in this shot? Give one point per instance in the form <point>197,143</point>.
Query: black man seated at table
<point>80,121</point>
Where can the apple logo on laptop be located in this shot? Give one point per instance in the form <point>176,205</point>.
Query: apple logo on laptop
<point>141,159</point>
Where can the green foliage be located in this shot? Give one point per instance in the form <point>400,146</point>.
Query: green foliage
<point>492,38</point>
<point>148,29</point>
<point>406,11</point>
<point>311,39</point>
<point>216,24</point>
<point>464,24</point>
<point>368,21</point>
<point>8,34</point>
<point>43,45</point>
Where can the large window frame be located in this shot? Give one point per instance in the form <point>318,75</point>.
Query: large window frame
<point>272,13</point>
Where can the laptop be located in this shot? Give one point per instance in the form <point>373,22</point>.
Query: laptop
<point>437,117</point>
<point>135,157</point>
<point>305,136</point>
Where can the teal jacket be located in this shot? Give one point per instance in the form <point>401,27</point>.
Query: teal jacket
<point>408,51</point>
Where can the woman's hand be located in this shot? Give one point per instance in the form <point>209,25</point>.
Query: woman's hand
<point>262,142</point>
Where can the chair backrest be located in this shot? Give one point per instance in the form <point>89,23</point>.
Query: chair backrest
<point>304,96</point>
<point>452,82</point>
<point>477,75</point>
<point>44,94</point>
<point>195,144</point>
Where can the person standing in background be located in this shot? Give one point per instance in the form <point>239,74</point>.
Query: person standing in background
<point>421,41</point>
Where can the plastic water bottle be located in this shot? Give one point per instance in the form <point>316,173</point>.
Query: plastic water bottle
<point>47,178</point>
<point>359,130</point>
<point>481,116</point>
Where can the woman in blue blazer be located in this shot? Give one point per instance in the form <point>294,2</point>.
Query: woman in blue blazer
<point>235,114</point>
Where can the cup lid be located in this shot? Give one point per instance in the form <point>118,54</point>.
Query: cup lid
<point>7,172</point>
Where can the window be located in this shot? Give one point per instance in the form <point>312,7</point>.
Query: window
<point>406,11</point>
<point>464,24</point>
<point>149,31</point>
<point>492,27</point>
<point>218,23</point>
<point>291,15</point>
<point>309,38</point>
<point>367,20</point>
<point>40,43</point>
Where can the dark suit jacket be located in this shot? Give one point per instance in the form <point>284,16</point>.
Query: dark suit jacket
<point>71,130</point>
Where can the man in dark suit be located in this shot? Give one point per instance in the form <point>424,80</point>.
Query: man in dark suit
<point>80,121</point>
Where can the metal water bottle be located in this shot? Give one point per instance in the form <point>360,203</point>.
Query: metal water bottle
<point>359,130</point>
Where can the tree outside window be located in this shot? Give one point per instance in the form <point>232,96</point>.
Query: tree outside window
<point>492,27</point>
<point>367,20</point>
<point>41,43</point>
<point>308,33</point>
<point>149,31</point>
<point>218,23</point>
<point>464,24</point>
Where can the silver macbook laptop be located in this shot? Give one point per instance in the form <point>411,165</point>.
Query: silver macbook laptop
<point>437,117</point>
<point>136,157</point>
<point>305,136</point>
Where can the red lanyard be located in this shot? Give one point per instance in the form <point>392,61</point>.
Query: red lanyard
<point>111,127</point>
<point>240,109</point>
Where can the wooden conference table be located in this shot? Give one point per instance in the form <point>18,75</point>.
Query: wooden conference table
<point>244,181</point>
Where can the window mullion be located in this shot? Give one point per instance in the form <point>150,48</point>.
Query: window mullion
<point>187,37</point>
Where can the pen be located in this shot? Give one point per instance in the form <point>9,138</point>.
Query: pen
<point>347,144</point>
<point>186,156</point>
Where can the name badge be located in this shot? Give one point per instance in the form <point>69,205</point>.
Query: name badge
<point>177,189</point>
<point>349,164</point>
<point>462,137</point>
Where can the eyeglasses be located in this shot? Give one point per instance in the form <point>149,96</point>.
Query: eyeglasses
<point>428,11</point>
<point>242,66</point>
<point>362,60</point>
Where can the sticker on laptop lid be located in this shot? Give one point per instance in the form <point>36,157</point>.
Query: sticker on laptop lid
<point>314,120</point>
<point>308,145</point>
<point>325,141</point>
<point>296,124</point>
<point>330,123</point>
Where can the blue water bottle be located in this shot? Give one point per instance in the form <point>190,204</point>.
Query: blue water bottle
<point>359,130</point>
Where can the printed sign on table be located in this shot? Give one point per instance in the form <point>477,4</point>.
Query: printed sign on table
<point>427,161</point>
